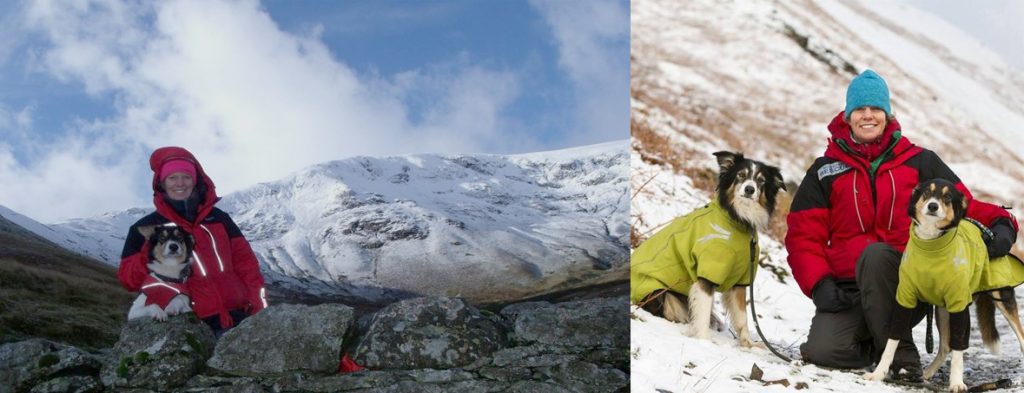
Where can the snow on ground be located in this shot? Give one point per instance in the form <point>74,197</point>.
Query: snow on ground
<point>665,359</point>
<point>763,78</point>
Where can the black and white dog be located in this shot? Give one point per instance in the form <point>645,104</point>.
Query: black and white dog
<point>164,292</point>
<point>937,208</point>
<point>747,190</point>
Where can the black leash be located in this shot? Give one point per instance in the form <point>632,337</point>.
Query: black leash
<point>753,311</point>
<point>984,387</point>
<point>929,341</point>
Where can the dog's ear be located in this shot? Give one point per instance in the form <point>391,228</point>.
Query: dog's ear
<point>726,159</point>
<point>777,178</point>
<point>959,203</point>
<point>147,231</point>
<point>914,196</point>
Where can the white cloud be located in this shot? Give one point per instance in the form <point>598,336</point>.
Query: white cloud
<point>593,42</point>
<point>74,174</point>
<point>252,102</point>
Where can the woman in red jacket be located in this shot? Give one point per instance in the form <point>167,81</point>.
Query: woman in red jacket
<point>224,283</point>
<point>848,227</point>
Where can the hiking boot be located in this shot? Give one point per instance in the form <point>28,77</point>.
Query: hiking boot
<point>910,372</point>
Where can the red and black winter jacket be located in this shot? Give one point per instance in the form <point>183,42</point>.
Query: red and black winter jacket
<point>225,272</point>
<point>843,204</point>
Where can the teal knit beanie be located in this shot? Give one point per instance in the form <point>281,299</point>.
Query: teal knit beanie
<point>867,89</point>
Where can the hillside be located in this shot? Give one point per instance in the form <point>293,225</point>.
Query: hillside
<point>765,78</point>
<point>49,292</point>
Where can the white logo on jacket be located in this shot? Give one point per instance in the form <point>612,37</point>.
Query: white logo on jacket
<point>834,168</point>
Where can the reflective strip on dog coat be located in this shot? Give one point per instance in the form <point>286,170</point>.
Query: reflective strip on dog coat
<point>161,292</point>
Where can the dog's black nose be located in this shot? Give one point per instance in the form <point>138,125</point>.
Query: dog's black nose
<point>749,190</point>
<point>173,247</point>
<point>932,207</point>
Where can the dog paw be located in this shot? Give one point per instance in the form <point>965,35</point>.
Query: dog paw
<point>699,332</point>
<point>178,305</point>
<point>159,315</point>
<point>752,345</point>
<point>957,387</point>
<point>874,376</point>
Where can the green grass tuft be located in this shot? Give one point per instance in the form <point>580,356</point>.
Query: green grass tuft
<point>194,343</point>
<point>48,360</point>
<point>122,367</point>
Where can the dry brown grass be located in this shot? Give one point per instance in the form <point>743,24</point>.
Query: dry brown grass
<point>48,292</point>
<point>777,227</point>
<point>655,149</point>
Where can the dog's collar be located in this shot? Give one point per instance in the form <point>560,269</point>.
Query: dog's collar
<point>986,234</point>
<point>180,280</point>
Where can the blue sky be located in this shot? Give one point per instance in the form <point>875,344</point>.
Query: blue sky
<point>258,90</point>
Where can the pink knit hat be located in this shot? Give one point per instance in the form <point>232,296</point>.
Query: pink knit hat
<point>175,166</point>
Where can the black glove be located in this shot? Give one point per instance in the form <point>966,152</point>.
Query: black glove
<point>829,297</point>
<point>1003,237</point>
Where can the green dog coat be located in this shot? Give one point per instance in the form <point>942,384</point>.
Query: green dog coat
<point>947,271</point>
<point>706,243</point>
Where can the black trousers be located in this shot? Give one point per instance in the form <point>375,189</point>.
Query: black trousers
<point>214,322</point>
<point>855,338</point>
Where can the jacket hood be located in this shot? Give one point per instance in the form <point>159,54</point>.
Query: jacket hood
<point>204,184</point>
<point>840,131</point>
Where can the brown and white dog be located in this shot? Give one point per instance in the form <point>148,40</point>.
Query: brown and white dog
<point>936,207</point>
<point>747,190</point>
<point>163,291</point>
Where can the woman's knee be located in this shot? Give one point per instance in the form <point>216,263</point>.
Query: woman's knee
<point>829,354</point>
<point>837,340</point>
<point>878,259</point>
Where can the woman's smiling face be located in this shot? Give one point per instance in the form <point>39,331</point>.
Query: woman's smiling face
<point>867,123</point>
<point>179,186</point>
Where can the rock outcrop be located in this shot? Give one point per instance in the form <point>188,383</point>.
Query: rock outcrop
<point>284,338</point>
<point>416,345</point>
<point>428,333</point>
<point>158,355</point>
<point>44,366</point>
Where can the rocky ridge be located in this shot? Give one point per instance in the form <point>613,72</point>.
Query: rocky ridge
<point>433,344</point>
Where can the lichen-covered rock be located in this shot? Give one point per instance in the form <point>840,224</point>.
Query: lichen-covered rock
<point>534,386</point>
<point>427,380</point>
<point>41,363</point>
<point>364,380</point>
<point>223,384</point>
<point>70,384</point>
<point>583,323</point>
<point>437,333</point>
<point>158,355</point>
<point>585,377</point>
<point>285,338</point>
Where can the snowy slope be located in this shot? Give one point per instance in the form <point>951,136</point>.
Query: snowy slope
<point>97,247</point>
<point>486,227</point>
<point>765,78</point>
<point>708,75</point>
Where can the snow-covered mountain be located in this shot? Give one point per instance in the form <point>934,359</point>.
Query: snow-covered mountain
<point>485,227</point>
<point>98,237</point>
<point>765,78</point>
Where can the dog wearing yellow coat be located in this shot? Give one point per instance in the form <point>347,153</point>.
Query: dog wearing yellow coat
<point>946,264</point>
